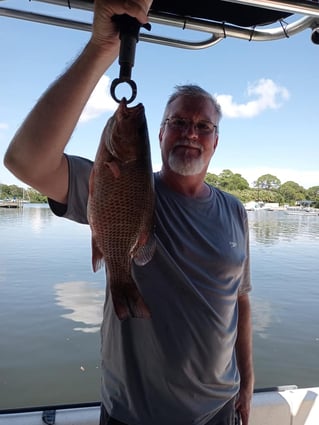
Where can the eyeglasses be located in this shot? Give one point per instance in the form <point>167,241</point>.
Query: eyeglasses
<point>182,124</point>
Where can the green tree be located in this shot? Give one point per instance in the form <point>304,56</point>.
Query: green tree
<point>35,197</point>
<point>16,192</point>
<point>292,192</point>
<point>4,191</point>
<point>312,194</point>
<point>267,182</point>
<point>230,181</point>
<point>10,191</point>
<point>269,196</point>
<point>245,195</point>
<point>212,179</point>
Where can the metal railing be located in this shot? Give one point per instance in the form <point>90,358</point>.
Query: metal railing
<point>214,31</point>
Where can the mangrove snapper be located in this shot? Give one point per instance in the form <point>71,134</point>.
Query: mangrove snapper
<point>121,206</point>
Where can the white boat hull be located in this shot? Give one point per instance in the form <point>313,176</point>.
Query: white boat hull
<point>286,406</point>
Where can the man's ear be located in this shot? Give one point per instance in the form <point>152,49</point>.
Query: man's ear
<point>216,142</point>
<point>160,134</point>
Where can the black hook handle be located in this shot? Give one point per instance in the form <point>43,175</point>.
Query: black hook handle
<point>129,28</point>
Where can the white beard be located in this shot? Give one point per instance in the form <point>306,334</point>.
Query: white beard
<point>185,165</point>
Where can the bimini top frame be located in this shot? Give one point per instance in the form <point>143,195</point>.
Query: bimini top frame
<point>253,20</point>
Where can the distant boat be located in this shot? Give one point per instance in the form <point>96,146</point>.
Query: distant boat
<point>252,206</point>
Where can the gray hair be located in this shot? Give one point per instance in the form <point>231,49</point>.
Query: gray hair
<point>195,91</point>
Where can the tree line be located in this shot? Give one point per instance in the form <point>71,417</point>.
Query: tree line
<point>267,188</point>
<point>19,193</point>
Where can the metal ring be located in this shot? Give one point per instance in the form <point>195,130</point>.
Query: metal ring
<point>118,81</point>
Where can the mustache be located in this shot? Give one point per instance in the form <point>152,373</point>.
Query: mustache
<point>188,143</point>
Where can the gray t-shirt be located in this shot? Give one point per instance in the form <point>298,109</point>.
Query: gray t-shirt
<point>179,367</point>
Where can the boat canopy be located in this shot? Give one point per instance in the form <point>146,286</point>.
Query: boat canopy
<point>252,20</point>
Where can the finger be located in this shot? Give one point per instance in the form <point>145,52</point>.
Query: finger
<point>138,9</point>
<point>244,415</point>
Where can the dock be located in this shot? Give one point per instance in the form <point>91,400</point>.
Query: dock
<point>11,204</point>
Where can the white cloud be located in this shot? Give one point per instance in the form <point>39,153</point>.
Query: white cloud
<point>99,102</point>
<point>268,95</point>
<point>83,302</point>
<point>3,126</point>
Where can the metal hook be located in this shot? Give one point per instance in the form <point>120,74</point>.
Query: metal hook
<point>129,30</point>
<point>118,81</point>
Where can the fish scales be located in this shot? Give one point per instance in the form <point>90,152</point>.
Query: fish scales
<point>121,206</point>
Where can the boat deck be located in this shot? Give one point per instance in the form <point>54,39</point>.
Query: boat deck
<point>283,406</point>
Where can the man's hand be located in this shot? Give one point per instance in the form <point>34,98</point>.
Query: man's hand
<point>244,358</point>
<point>105,32</point>
<point>243,404</point>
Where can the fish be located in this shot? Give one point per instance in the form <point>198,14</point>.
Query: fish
<point>121,207</point>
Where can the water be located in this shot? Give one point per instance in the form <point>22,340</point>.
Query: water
<point>285,272</point>
<point>51,306</point>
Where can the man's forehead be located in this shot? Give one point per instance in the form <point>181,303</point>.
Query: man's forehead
<point>192,105</point>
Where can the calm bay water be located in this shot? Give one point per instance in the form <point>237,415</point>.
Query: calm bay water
<point>51,305</point>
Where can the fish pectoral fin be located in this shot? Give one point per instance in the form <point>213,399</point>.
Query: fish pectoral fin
<point>114,167</point>
<point>145,252</point>
<point>97,256</point>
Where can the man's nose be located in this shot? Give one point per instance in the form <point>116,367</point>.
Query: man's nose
<point>191,130</point>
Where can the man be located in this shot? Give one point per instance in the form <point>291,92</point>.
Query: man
<point>191,363</point>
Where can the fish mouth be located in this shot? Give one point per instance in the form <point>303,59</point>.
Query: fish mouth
<point>126,111</point>
<point>125,128</point>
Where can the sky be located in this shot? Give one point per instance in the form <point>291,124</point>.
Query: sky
<point>268,92</point>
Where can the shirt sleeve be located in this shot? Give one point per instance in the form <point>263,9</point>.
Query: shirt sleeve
<point>78,191</point>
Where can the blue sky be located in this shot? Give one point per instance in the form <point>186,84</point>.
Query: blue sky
<point>268,92</point>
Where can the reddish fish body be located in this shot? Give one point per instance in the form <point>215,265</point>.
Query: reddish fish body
<point>121,206</point>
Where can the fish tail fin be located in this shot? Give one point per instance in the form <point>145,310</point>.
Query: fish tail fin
<point>145,253</point>
<point>97,256</point>
<point>128,302</point>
